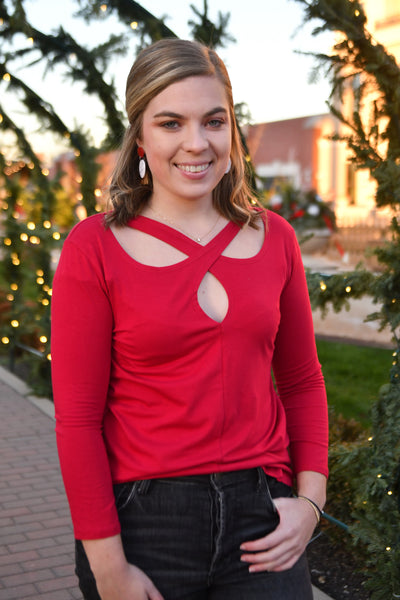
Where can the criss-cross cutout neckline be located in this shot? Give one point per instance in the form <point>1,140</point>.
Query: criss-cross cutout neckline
<point>179,240</point>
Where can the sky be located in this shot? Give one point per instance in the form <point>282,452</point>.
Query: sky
<point>266,71</point>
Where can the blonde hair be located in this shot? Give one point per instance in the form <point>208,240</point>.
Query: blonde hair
<point>156,67</point>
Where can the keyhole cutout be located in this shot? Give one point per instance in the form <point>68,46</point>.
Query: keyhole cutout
<point>212,298</point>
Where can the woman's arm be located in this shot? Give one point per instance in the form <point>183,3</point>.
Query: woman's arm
<point>302,392</point>
<point>82,325</point>
<point>115,578</point>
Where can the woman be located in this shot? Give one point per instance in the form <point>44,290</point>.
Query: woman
<point>177,453</point>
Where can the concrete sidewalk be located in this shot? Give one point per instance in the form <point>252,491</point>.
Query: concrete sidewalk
<point>37,546</point>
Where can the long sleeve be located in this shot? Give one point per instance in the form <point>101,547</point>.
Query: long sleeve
<point>298,374</point>
<point>82,324</point>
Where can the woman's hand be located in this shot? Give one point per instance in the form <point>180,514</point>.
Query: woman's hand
<point>129,584</point>
<point>281,549</point>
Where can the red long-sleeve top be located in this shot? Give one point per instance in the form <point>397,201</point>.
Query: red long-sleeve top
<point>147,385</point>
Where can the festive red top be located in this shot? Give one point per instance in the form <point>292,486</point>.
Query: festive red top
<point>147,385</point>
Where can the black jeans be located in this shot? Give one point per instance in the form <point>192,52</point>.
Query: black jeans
<point>185,534</point>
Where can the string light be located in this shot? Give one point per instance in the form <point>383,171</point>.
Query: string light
<point>56,235</point>
<point>7,77</point>
<point>10,297</point>
<point>39,273</point>
<point>322,286</point>
<point>43,339</point>
<point>5,340</point>
<point>97,193</point>
<point>379,475</point>
<point>45,172</point>
<point>134,24</point>
<point>31,225</point>
<point>40,280</point>
<point>14,287</point>
<point>30,40</point>
<point>14,323</point>
<point>7,242</point>
<point>103,7</point>
<point>48,357</point>
<point>34,240</point>
<point>47,224</point>
<point>390,493</point>
<point>24,237</point>
<point>348,288</point>
<point>45,302</point>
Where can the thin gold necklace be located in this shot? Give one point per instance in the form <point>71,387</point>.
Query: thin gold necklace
<point>196,238</point>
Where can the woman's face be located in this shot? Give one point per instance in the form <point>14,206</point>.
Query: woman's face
<point>186,135</point>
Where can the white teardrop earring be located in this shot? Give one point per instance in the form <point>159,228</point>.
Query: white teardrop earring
<point>142,163</point>
<point>228,168</point>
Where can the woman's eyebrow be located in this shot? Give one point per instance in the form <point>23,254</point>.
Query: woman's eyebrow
<point>173,115</point>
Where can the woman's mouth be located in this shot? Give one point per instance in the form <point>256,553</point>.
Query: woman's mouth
<point>193,168</point>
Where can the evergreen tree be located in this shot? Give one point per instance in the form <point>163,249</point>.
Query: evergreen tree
<point>373,137</point>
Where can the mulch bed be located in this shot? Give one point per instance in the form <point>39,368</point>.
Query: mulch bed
<point>334,569</point>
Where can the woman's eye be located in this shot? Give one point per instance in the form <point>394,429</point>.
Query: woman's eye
<point>170,124</point>
<point>216,122</point>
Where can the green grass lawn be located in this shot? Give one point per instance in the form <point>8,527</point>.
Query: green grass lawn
<point>353,376</point>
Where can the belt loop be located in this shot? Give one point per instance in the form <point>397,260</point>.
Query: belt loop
<point>143,487</point>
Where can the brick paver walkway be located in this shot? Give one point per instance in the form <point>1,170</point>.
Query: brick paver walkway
<point>36,541</point>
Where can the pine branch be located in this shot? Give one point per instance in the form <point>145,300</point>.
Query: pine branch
<point>36,105</point>
<point>7,124</point>
<point>54,48</point>
<point>128,11</point>
<point>206,32</point>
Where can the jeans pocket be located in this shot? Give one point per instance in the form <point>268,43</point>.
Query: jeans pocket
<point>125,493</point>
<point>265,490</point>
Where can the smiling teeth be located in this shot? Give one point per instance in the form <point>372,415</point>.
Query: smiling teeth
<point>193,168</point>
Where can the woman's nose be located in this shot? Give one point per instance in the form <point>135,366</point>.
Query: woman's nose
<point>195,139</point>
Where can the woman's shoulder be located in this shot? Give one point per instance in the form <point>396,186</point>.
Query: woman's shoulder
<point>88,229</point>
<point>278,224</point>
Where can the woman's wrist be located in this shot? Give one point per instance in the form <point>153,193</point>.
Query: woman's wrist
<point>106,556</point>
<point>312,487</point>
